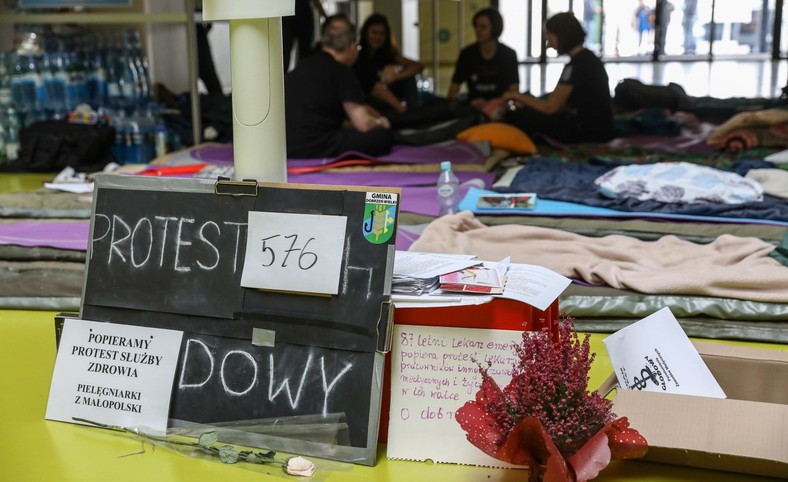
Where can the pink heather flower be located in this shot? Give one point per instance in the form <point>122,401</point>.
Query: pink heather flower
<point>549,383</point>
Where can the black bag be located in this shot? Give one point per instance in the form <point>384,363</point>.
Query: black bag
<point>632,94</point>
<point>51,146</point>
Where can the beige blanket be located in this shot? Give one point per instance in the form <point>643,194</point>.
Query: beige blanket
<point>730,267</point>
<point>766,117</point>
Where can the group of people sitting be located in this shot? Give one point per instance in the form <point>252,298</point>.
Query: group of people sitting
<point>357,93</point>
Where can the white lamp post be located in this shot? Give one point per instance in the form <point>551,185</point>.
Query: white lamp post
<point>259,148</point>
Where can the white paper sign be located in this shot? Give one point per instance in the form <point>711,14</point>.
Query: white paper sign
<point>114,374</point>
<point>433,374</point>
<point>294,252</point>
<point>655,355</point>
<point>534,285</point>
<point>430,265</point>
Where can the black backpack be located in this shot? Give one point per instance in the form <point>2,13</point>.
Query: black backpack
<point>52,145</point>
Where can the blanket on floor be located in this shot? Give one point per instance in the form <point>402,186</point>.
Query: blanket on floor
<point>729,267</point>
<point>574,182</point>
<point>460,153</point>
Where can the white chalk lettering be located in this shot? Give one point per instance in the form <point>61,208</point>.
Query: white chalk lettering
<point>237,241</point>
<point>181,242</point>
<point>150,242</point>
<point>190,244</point>
<point>115,241</point>
<point>95,224</point>
<point>254,377</point>
<point>293,386</point>
<point>285,385</point>
<point>164,235</point>
<point>201,236</point>
<point>327,387</point>
<point>181,382</point>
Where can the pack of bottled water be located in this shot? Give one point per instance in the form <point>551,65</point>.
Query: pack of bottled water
<point>47,76</point>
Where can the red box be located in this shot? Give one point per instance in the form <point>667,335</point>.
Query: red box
<point>499,314</point>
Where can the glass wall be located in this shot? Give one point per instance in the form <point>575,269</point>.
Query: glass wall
<point>641,29</point>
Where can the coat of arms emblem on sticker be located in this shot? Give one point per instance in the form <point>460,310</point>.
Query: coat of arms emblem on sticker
<point>380,213</point>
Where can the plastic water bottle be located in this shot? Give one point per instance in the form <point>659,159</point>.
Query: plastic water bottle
<point>2,139</point>
<point>5,80</point>
<point>119,149</point>
<point>96,81</point>
<point>12,136</point>
<point>147,129</point>
<point>76,88</point>
<point>55,80</point>
<point>139,64</point>
<point>448,190</point>
<point>160,134</point>
<point>24,82</point>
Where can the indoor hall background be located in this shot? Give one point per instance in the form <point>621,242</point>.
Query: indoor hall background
<point>735,54</point>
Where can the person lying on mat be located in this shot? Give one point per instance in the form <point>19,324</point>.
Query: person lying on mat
<point>488,67</point>
<point>323,92</point>
<point>580,108</point>
<point>387,76</point>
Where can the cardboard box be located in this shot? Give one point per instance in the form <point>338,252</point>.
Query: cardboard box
<point>746,433</point>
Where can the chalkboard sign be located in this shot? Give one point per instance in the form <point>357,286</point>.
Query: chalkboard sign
<point>170,253</point>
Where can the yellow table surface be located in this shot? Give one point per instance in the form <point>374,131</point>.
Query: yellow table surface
<point>34,449</point>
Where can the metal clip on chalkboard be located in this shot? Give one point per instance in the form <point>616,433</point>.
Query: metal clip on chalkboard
<point>387,320</point>
<point>225,186</point>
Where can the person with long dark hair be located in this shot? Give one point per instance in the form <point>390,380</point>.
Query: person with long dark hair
<point>580,108</point>
<point>387,77</point>
<point>488,67</point>
<point>322,92</point>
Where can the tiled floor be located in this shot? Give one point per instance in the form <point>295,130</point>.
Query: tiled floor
<point>720,78</point>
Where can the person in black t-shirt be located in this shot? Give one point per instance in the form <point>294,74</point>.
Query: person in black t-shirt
<point>387,77</point>
<point>488,67</point>
<point>322,92</point>
<point>580,108</point>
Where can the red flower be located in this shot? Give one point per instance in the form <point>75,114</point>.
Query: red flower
<point>545,417</point>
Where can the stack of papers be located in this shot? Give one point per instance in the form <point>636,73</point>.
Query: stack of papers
<point>434,280</point>
<point>489,279</point>
<point>419,273</point>
<point>413,286</point>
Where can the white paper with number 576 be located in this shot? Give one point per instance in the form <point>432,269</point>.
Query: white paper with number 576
<point>294,252</point>
<point>655,355</point>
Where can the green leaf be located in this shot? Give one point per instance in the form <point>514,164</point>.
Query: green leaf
<point>267,455</point>
<point>253,459</point>
<point>209,438</point>
<point>228,455</point>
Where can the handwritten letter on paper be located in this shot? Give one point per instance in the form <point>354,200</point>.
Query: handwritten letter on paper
<point>434,371</point>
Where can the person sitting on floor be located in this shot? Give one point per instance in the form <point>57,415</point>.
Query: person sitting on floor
<point>322,92</point>
<point>386,75</point>
<point>487,66</point>
<point>579,109</point>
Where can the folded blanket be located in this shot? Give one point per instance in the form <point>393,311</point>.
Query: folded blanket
<point>765,117</point>
<point>730,267</point>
